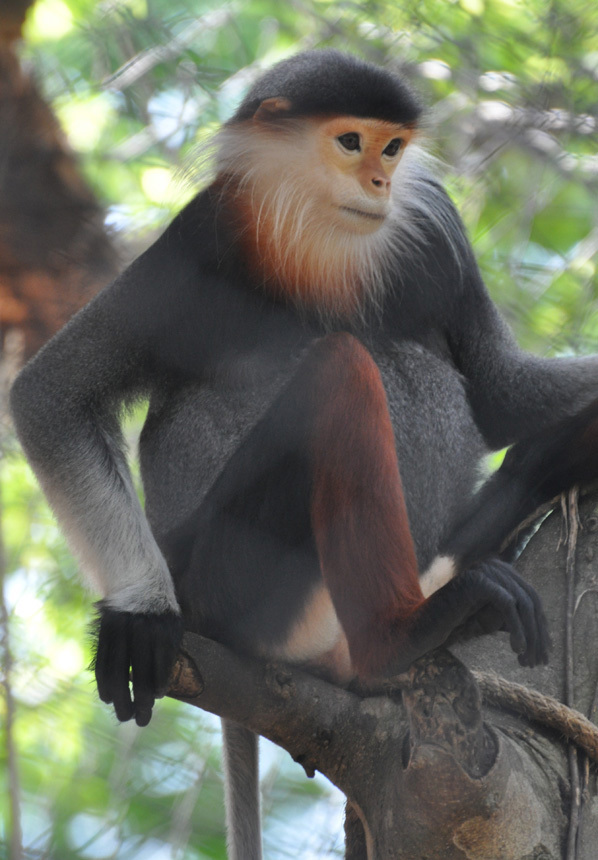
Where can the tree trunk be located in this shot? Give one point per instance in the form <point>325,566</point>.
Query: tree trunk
<point>54,250</point>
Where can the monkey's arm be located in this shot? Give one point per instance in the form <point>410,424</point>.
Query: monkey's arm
<point>540,406</point>
<point>513,394</point>
<point>546,407</point>
<point>534,471</point>
<point>66,406</point>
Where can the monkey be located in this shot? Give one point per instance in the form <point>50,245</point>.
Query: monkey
<point>325,373</point>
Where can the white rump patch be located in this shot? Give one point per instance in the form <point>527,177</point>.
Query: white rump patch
<point>315,632</point>
<point>441,571</point>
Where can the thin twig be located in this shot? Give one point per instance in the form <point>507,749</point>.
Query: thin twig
<point>533,518</point>
<point>143,62</point>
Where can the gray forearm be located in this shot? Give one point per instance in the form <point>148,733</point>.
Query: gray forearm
<point>81,466</point>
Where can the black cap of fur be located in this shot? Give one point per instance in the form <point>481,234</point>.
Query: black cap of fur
<point>329,82</point>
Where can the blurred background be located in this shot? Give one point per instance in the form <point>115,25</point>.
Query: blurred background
<point>103,109</point>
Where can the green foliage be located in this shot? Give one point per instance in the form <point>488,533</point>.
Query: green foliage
<point>139,85</point>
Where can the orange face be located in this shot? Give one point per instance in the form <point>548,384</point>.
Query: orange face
<point>357,160</point>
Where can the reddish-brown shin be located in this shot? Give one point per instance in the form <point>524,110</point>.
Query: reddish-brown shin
<point>358,509</point>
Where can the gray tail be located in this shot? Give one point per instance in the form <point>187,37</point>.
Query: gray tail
<point>241,771</point>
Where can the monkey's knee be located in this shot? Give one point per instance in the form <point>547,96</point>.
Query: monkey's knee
<point>341,358</point>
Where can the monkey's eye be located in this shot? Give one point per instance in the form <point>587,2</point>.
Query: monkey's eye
<point>349,141</point>
<point>393,147</point>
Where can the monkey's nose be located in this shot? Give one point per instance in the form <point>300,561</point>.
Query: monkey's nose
<point>382,183</point>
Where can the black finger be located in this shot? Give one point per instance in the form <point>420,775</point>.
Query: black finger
<point>498,597</point>
<point>155,644</point>
<point>144,645</point>
<point>543,643</point>
<point>112,662</point>
<point>530,606</point>
<point>514,585</point>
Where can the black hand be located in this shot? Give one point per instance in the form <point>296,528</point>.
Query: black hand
<point>140,647</point>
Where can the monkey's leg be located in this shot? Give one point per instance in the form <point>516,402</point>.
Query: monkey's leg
<point>313,493</point>
<point>362,533</point>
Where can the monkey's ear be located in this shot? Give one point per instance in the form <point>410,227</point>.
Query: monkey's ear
<point>271,109</point>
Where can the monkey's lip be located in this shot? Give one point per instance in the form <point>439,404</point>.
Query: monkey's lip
<point>373,216</point>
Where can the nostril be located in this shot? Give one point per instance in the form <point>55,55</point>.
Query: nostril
<point>380,183</point>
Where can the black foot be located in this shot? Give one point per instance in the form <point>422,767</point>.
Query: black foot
<point>484,599</point>
<point>505,601</point>
<point>137,651</point>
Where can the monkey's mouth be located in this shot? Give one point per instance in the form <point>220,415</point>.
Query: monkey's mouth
<point>372,216</point>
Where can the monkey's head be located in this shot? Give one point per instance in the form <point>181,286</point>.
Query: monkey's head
<point>311,153</point>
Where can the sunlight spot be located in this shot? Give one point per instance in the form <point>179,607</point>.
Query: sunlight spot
<point>49,19</point>
<point>156,183</point>
<point>436,70</point>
